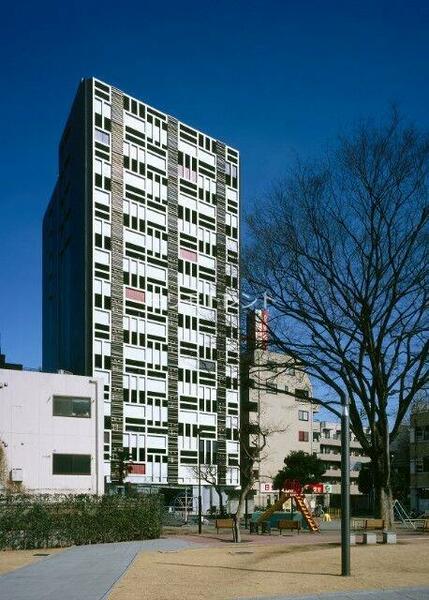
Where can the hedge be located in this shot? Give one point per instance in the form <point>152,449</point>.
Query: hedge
<point>28,521</point>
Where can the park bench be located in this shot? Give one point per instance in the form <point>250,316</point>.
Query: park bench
<point>225,524</point>
<point>288,525</point>
<point>373,525</point>
<point>368,525</point>
<point>369,529</point>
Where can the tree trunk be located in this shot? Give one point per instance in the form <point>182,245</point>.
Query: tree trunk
<point>383,505</point>
<point>221,506</point>
<point>240,512</point>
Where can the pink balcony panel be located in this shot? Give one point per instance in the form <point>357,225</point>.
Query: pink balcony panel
<point>137,469</point>
<point>188,255</point>
<point>136,295</point>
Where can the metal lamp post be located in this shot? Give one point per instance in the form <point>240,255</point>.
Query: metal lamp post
<point>199,483</point>
<point>345,488</point>
<point>345,471</point>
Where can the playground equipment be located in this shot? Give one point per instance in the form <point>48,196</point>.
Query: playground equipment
<point>401,515</point>
<point>292,489</point>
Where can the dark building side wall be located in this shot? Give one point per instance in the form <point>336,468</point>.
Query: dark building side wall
<point>66,231</point>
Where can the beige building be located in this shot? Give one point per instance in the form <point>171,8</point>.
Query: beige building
<point>419,457</point>
<point>265,401</point>
<point>275,397</point>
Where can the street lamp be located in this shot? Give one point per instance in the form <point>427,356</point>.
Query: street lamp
<point>199,482</point>
<point>345,488</point>
<point>345,467</point>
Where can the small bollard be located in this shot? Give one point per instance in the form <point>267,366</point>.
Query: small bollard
<point>369,538</point>
<point>389,537</point>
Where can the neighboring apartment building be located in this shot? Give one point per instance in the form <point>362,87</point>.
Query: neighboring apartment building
<point>51,429</point>
<point>267,376</point>
<point>291,421</point>
<point>140,284</point>
<point>327,445</point>
<point>419,457</point>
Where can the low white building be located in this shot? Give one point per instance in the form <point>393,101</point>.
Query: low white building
<point>51,428</point>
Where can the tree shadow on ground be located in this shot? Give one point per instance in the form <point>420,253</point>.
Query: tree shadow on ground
<point>249,570</point>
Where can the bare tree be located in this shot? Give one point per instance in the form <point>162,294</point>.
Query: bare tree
<point>341,247</point>
<point>209,474</point>
<point>253,441</point>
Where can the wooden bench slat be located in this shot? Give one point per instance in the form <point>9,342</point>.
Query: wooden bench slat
<point>224,523</point>
<point>289,524</point>
<point>374,524</point>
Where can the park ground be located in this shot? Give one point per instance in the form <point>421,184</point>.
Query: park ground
<point>282,567</point>
<point>212,567</point>
<point>15,559</point>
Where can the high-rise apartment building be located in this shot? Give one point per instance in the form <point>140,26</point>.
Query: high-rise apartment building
<point>140,284</point>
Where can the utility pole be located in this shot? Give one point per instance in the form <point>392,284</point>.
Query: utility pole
<point>345,488</point>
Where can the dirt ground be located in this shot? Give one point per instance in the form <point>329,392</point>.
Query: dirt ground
<point>228,572</point>
<point>14,559</point>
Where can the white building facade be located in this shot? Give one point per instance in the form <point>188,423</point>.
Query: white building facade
<point>141,251</point>
<point>51,428</point>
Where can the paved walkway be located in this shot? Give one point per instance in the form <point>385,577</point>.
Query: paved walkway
<point>79,573</point>
<point>397,594</point>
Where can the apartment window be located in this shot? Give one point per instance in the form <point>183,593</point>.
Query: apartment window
<point>71,464</point>
<point>303,436</point>
<point>422,433</point>
<point>102,137</point>
<point>67,406</point>
<point>272,388</point>
<point>419,465</point>
<point>303,415</point>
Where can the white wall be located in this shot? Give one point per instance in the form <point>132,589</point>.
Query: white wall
<point>30,434</point>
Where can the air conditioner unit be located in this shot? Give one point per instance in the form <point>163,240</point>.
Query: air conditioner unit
<point>17,475</point>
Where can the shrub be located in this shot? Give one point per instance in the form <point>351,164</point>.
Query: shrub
<point>29,521</point>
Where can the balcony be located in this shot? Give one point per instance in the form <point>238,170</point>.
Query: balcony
<point>332,473</point>
<point>336,457</point>
<point>329,456</point>
<point>336,442</point>
<point>336,489</point>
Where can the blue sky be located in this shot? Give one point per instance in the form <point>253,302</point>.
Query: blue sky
<point>274,79</point>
